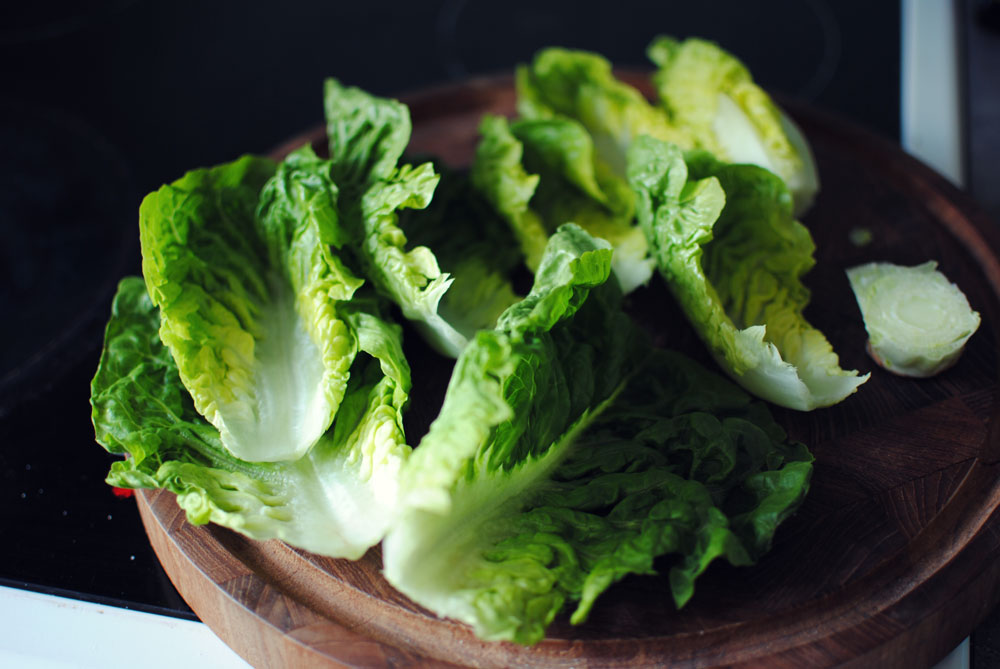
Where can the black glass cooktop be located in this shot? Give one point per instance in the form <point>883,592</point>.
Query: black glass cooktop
<point>103,104</point>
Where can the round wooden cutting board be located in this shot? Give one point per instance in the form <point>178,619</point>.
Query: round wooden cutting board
<point>891,561</point>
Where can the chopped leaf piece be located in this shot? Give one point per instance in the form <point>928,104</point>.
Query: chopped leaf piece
<point>918,322</point>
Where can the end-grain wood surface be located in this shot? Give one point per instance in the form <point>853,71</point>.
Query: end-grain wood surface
<point>891,560</point>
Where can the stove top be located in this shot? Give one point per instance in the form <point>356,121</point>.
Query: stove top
<point>67,201</point>
<point>102,107</point>
<point>66,197</point>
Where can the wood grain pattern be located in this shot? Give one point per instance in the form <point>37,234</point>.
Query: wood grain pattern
<point>890,562</point>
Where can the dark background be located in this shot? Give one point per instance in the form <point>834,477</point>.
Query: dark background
<point>175,85</point>
<point>101,102</point>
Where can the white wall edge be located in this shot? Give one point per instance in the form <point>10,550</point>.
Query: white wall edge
<point>48,632</point>
<point>931,123</point>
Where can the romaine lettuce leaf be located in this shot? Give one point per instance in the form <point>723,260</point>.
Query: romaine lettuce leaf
<point>473,245</point>
<point>367,136</point>
<point>498,173</point>
<point>581,85</point>
<point>726,243</point>
<point>239,260</point>
<point>557,178</point>
<point>568,454</point>
<point>337,500</point>
<point>711,97</point>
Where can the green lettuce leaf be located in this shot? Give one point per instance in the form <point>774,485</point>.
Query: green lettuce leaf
<point>568,454</point>
<point>581,85</point>
<point>711,97</point>
<point>366,136</point>
<point>473,245</point>
<point>498,173</point>
<point>336,500</point>
<point>732,254</point>
<point>561,180</point>
<point>376,188</point>
<point>239,258</point>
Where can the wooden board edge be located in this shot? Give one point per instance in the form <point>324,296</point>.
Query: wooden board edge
<point>258,643</point>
